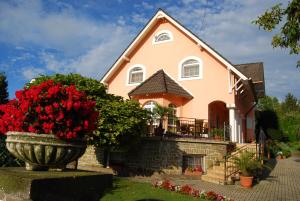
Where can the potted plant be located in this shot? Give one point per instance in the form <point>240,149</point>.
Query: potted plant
<point>196,171</point>
<point>217,133</point>
<point>47,125</point>
<point>247,165</point>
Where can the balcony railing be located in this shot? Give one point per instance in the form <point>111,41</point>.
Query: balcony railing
<point>186,127</point>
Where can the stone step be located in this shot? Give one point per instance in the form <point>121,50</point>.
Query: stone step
<point>216,171</point>
<point>214,174</point>
<point>218,168</point>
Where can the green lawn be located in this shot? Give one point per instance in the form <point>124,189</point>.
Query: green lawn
<point>126,190</point>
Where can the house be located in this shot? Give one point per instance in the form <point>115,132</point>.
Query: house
<point>169,65</point>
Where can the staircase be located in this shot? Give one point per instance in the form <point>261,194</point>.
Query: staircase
<point>225,171</point>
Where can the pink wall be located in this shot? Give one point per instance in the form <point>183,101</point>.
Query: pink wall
<point>167,56</point>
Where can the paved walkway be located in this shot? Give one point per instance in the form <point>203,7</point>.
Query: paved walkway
<point>283,184</point>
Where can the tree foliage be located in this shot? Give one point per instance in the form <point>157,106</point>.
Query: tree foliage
<point>3,89</point>
<point>289,34</point>
<point>121,122</point>
<point>280,118</point>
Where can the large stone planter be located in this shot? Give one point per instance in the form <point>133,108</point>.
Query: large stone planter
<point>43,151</point>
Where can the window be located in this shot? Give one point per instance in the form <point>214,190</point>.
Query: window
<point>162,36</point>
<point>136,75</point>
<point>190,68</point>
<point>193,161</point>
<point>172,116</point>
<point>150,107</point>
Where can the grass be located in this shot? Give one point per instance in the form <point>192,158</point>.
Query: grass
<point>127,190</point>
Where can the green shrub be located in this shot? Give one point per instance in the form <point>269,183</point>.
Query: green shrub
<point>6,159</point>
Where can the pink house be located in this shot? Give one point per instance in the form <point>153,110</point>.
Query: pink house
<point>169,65</point>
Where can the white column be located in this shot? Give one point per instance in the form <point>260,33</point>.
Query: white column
<point>232,122</point>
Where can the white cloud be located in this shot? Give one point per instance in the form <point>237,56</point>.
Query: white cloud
<point>27,22</point>
<point>147,6</point>
<point>95,61</point>
<point>78,44</point>
<point>139,19</point>
<point>32,72</point>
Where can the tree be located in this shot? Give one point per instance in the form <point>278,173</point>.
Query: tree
<point>3,89</point>
<point>290,103</point>
<point>289,35</point>
<point>268,103</point>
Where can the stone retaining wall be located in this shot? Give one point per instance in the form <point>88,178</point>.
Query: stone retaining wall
<point>165,155</point>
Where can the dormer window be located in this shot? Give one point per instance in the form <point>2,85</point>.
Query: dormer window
<point>190,68</point>
<point>162,37</point>
<point>136,75</point>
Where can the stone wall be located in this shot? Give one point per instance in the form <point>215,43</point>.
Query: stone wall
<point>164,155</point>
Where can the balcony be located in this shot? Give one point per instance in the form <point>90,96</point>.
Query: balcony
<point>182,127</point>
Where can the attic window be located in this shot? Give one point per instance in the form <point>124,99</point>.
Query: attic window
<point>162,36</point>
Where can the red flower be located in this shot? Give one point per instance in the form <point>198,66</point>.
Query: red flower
<point>211,195</point>
<point>19,94</point>
<point>69,105</point>
<point>77,105</point>
<point>60,116</point>
<point>48,108</point>
<point>38,109</point>
<point>186,189</point>
<point>86,124</point>
<point>55,105</point>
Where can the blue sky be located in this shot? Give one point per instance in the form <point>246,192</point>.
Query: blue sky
<point>86,37</point>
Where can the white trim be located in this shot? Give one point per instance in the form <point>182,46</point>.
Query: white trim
<point>178,83</point>
<point>180,78</point>
<point>164,41</point>
<point>158,15</point>
<point>128,71</point>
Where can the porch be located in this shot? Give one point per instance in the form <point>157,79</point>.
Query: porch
<point>183,127</point>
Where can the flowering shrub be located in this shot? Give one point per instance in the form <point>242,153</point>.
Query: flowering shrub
<point>189,190</point>
<point>50,108</point>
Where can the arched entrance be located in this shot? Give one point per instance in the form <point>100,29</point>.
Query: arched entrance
<point>218,114</point>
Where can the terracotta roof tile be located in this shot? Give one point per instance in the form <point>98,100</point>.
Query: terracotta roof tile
<point>255,71</point>
<point>160,82</point>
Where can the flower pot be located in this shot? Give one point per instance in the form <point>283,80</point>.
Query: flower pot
<point>43,151</point>
<point>217,137</point>
<point>246,181</point>
<point>192,173</point>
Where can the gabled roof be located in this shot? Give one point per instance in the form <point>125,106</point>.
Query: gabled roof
<point>255,71</point>
<point>159,15</point>
<point>160,82</point>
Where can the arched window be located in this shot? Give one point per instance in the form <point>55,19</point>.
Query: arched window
<point>162,36</point>
<point>150,105</point>
<point>190,68</point>
<point>136,74</point>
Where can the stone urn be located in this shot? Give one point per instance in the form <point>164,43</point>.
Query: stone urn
<point>43,151</point>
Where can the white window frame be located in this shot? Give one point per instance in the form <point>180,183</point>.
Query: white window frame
<point>128,74</point>
<point>190,78</point>
<point>151,105</point>
<point>164,41</point>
